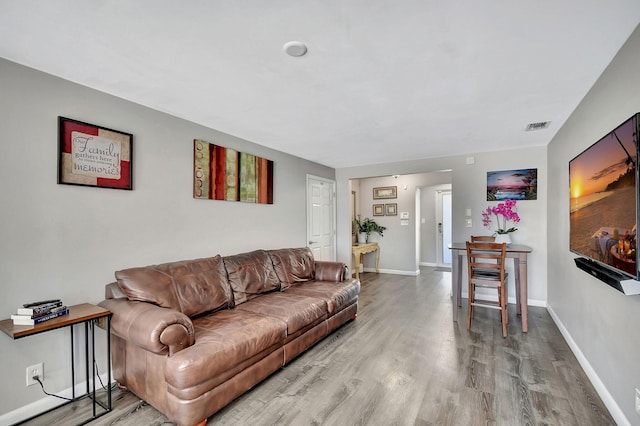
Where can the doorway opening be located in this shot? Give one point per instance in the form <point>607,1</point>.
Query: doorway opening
<point>411,213</point>
<point>443,213</point>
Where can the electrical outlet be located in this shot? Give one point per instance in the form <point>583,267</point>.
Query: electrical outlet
<point>35,370</point>
<point>638,401</point>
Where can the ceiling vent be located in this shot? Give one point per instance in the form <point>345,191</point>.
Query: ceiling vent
<point>537,126</point>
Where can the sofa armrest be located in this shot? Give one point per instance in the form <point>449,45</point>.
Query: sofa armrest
<point>149,326</point>
<point>330,271</point>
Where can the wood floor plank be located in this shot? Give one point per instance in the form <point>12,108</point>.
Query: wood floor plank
<point>404,362</point>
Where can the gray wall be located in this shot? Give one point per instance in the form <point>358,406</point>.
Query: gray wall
<point>66,241</point>
<point>600,323</point>
<point>468,191</point>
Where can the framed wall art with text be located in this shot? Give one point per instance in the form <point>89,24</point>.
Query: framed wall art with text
<point>91,155</point>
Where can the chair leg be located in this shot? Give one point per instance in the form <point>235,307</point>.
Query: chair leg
<point>506,301</point>
<point>504,323</point>
<point>503,311</point>
<point>470,300</point>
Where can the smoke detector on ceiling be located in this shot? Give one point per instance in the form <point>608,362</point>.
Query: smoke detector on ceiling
<point>295,48</point>
<point>537,126</point>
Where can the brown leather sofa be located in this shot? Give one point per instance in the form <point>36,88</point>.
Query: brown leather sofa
<point>188,337</point>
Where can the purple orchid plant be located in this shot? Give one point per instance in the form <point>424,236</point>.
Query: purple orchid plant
<point>504,213</point>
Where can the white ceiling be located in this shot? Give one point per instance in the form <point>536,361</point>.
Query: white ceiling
<point>383,80</point>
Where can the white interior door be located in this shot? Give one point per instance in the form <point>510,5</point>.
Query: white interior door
<point>443,214</point>
<point>321,217</point>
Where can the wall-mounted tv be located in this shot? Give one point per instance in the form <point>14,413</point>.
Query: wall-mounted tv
<point>603,215</point>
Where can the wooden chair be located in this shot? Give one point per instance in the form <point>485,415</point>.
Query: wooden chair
<point>485,263</point>
<point>483,238</point>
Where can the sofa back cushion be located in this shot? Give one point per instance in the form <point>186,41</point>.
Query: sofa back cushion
<point>201,285</point>
<point>148,284</point>
<point>250,274</point>
<point>293,265</point>
<point>192,287</point>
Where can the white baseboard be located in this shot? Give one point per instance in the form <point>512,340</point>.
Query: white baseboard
<point>47,403</point>
<point>428,264</point>
<point>532,302</point>
<point>604,394</point>
<point>394,271</point>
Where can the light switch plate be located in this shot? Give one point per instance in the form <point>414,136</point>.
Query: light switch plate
<point>469,223</point>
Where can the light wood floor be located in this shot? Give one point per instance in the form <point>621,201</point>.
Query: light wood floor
<point>404,362</point>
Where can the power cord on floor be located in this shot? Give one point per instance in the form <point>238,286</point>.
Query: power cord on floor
<point>95,373</point>
<point>37,379</point>
<point>95,366</point>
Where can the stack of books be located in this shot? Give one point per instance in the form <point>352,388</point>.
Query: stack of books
<point>37,312</point>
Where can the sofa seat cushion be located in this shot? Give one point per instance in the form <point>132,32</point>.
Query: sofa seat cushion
<point>296,311</point>
<point>250,275</point>
<point>337,295</point>
<point>224,340</point>
<point>293,265</point>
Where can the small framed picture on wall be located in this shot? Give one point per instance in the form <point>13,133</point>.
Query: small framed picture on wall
<point>378,209</point>
<point>391,209</point>
<point>385,192</point>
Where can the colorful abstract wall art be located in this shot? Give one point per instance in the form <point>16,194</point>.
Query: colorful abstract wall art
<point>221,173</point>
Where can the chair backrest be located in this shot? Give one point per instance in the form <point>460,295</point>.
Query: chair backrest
<point>483,238</point>
<point>486,258</point>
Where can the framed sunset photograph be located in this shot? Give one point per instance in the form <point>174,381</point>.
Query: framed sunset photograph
<point>521,184</point>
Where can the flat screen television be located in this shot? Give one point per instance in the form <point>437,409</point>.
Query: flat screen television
<point>604,187</point>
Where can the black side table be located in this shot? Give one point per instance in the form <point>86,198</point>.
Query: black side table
<point>86,314</point>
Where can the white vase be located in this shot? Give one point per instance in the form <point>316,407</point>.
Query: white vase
<point>503,238</point>
<point>362,238</point>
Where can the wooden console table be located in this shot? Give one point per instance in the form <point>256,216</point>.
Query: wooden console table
<point>88,315</point>
<point>359,250</point>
